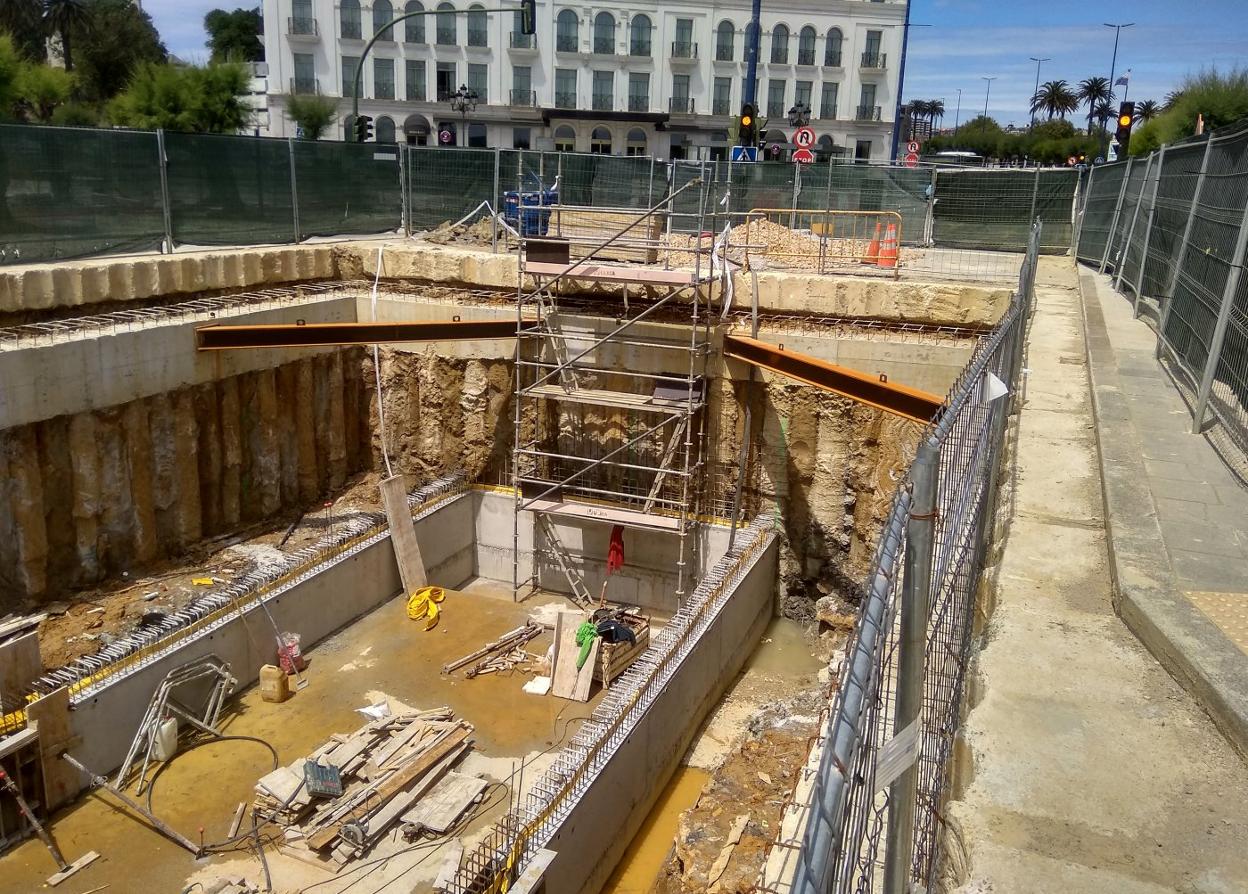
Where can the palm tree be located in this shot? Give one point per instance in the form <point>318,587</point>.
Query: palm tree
<point>935,109</point>
<point>1054,98</point>
<point>1146,110</point>
<point>1172,99</point>
<point>20,18</point>
<point>918,112</point>
<point>1103,112</point>
<point>61,17</point>
<point>1093,92</point>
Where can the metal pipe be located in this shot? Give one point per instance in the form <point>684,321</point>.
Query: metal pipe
<point>166,211</point>
<point>294,189</point>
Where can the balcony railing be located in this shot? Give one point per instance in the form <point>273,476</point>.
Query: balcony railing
<point>478,37</point>
<point>775,109</point>
<point>565,99</point>
<point>875,61</point>
<point>383,90</point>
<point>638,103</point>
<point>684,49</point>
<point>523,41</point>
<point>305,85</point>
<point>680,105</point>
<point>523,98</point>
<point>828,113</point>
<point>445,95</point>
<point>301,26</point>
<point>806,57</point>
<point>723,52</point>
<point>832,60</point>
<point>566,43</point>
<point>446,37</point>
<point>604,46</point>
<point>721,107</point>
<point>351,30</point>
<point>603,102</point>
<point>640,49</point>
<point>867,113</point>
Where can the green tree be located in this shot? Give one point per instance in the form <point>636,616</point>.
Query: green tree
<point>234,36</point>
<point>63,17</point>
<point>186,98</point>
<point>10,75</point>
<point>1054,98</point>
<point>1146,111</point>
<point>120,38</point>
<point>1218,99</point>
<point>313,114</point>
<point>43,89</point>
<point>935,110</point>
<point>1094,92</point>
<point>22,20</point>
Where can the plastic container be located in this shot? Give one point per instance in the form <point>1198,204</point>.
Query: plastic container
<point>166,745</point>
<point>534,220</point>
<point>289,656</point>
<point>274,684</point>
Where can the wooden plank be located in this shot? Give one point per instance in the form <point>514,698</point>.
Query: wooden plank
<point>599,398</point>
<point>450,866</point>
<point>19,624</point>
<point>563,665</point>
<point>610,515</point>
<point>403,535</point>
<point>61,782</point>
<point>650,276</point>
<point>20,663</point>
<point>401,802</point>
<point>445,802</point>
<point>585,676</point>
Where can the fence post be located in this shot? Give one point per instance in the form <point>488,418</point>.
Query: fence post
<point>929,219</point>
<point>1035,193</point>
<point>404,220</point>
<point>1135,216</point>
<point>1219,329</point>
<point>294,188</point>
<point>912,646</point>
<point>650,186</point>
<point>1083,210</point>
<point>166,212</point>
<point>1113,224</point>
<point>498,160</point>
<point>1148,232</point>
<point>1168,295</point>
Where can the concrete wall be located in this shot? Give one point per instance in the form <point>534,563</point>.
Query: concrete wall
<point>107,720</point>
<point>607,816</point>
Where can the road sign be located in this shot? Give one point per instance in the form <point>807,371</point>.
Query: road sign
<point>912,146</point>
<point>912,159</point>
<point>804,137</point>
<point>745,153</point>
<point>774,149</point>
<point>445,136</point>
<point>803,156</point>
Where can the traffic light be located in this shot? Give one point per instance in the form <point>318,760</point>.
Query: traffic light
<point>748,126</point>
<point>528,16</point>
<point>363,127</point>
<point>1126,116</point>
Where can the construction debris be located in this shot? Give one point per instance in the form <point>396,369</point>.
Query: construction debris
<point>65,869</point>
<point>382,771</point>
<point>503,653</point>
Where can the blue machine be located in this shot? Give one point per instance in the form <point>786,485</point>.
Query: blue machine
<point>528,211</point>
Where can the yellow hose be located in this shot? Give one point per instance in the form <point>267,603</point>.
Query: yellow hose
<point>424,604</point>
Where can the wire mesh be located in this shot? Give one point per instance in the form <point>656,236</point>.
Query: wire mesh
<point>994,209</point>
<point>1098,211</point>
<point>447,184</point>
<point>1132,191</point>
<point>347,188</point>
<point>1179,171</point>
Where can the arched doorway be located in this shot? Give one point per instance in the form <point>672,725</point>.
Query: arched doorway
<point>600,141</point>
<point>385,129</point>
<point>825,149</point>
<point>416,130</point>
<point>565,139</point>
<point>636,142</point>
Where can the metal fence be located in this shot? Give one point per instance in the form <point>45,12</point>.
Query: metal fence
<point>1172,228</point>
<point>73,192</point>
<point>872,814</point>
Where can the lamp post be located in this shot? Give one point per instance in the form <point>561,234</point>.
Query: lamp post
<point>901,80</point>
<point>957,114</point>
<point>1037,90</point>
<point>464,101</point>
<point>1113,62</point>
<point>987,91</point>
<point>799,115</point>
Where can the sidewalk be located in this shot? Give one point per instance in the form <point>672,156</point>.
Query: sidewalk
<point>1084,766</point>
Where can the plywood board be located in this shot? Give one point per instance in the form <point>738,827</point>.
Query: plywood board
<point>403,535</point>
<point>446,802</point>
<point>61,782</point>
<point>19,664</point>
<point>585,676</point>
<point>563,673</point>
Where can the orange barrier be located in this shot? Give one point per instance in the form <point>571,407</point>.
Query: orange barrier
<point>873,250</point>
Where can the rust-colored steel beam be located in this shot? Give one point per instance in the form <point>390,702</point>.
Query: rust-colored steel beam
<point>303,335</point>
<point>871,390</point>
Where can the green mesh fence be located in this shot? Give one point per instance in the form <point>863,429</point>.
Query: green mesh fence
<point>226,190</point>
<point>871,188</point>
<point>69,192</point>
<point>1098,211</point>
<point>447,184</point>
<point>347,188</point>
<point>607,181</point>
<point>993,209</point>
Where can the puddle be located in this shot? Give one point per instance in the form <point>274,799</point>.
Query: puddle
<point>640,866</point>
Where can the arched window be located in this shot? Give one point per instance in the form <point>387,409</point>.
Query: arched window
<point>383,15</point>
<point>446,24</point>
<point>349,19</point>
<point>567,28</point>
<point>416,129</point>
<point>636,141</point>
<point>385,129</point>
<point>478,26</point>
<point>806,46</point>
<point>604,34</point>
<point>780,45</point>
<point>565,139</point>
<point>725,35</point>
<point>832,51</point>
<point>824,149</point>
<point>639,35</point>
<point>414,29</point>
<point>348,128</point>
<point>600,141</point>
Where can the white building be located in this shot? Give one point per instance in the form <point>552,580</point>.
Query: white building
<point>642,79</point>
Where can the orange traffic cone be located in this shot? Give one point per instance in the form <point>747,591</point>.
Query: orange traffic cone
<point>888,251</point>
<point>873,250</point>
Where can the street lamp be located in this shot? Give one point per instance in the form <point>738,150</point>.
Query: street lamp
<point>799,115</point>
<point>957,115</point>
<point>987,91</point>
<point>464,101</point>
<point>1037,90</point>
<point>1112,64</point>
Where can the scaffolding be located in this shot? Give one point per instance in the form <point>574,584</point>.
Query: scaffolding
<point>597,439</point>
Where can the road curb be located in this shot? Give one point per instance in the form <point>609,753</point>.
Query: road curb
<point>1146,594</point>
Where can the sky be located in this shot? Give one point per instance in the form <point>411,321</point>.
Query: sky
<point>972,39</point>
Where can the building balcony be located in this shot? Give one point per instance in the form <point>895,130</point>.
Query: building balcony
<point>479,40</point>
<point>565,100</point>
<point>639,50</point>
<point>522,98</point>
<point>874,62</point>
<point>867,113</point>
<point>827,114</point>
<point>352,31</point>
<point>565,44</point>
<point>805,58</point>
<point>681,105</point>
<point>603,47</point>
<point>305,86</point>
<point>383,91</point>
<point>638,103</point>
<point>602,102</point>
<point>303,28</point>
<point>684,51</point>
<point>723,53</point>
<point>445,38</point>
<point>523,42</point>
<point>832,60</point>
<point>721,107</point>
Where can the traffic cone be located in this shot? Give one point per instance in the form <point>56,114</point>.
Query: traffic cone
<point>888,251</point>
<point>873,250</point>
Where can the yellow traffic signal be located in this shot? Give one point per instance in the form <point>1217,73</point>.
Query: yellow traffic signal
<point>746,121</point>
<point>1124,120</point>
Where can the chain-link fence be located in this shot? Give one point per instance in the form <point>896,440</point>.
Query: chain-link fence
<point>1172,228</point>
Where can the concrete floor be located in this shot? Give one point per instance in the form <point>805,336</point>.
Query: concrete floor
<point>1089,768</point>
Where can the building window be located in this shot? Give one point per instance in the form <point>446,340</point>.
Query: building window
<point>600,141</point>
<point>414,29</point>
<point>871,56</point>
<point>639,35</point>
<point>385,129</point>
<point>479,81</point>
<point>383,15</point>
<point>832,50</point>
<point>639,91</point>
<point>775,98</point>
<point>305,73</point>
<point>415,80</point>
<point>604,34</point>
<point>725,36</point>
<point>565,88</point>
<point>682,47</point>
<point>604,91</point>
<point>477,136</point>
<point>780,45</point>
<point>827,102</point>
<point>522,85</point>
<point>349,19</point>
<point>521,138</point>
<point>446,25</point>
<point>636,143</point>
<point>721,103</point>
<point>862,151</point>
<point>567,27</point>
<point>383,78</point>
<point>565,139</point>
<point>680,94</point>
<point>520,40</point>
<point>801,95</point>
<point>867,109</point>
<point>806,46</point>
<point>445,83</point>
<point>478,26</point>
<point>302,20</point>
<point>416,130</point>
<point>348,74</point>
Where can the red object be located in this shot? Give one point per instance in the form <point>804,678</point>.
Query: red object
<point>615,552</point>
<point>803,156</point>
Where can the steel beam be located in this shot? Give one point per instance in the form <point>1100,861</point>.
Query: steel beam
<point>874,391</point>
<point>303,335</point>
